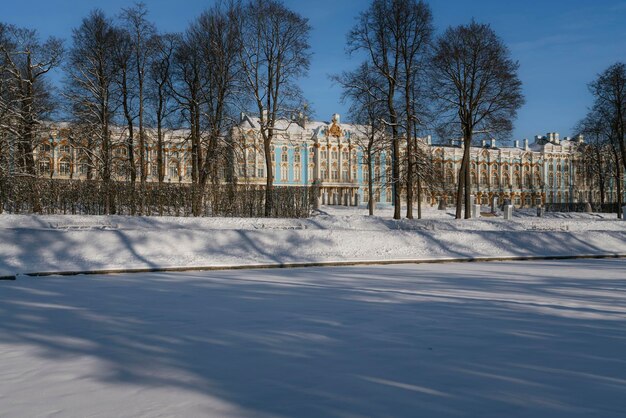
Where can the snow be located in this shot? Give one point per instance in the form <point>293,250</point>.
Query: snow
<point>506,339</point>
<point>31,244</point>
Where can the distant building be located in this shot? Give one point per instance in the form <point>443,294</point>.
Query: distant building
<point>331,154</point>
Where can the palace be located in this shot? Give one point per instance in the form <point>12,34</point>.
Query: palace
<point>331,154</point>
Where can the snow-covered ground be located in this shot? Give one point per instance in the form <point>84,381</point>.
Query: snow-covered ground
<point>60,243</point>
<point>508,339</point>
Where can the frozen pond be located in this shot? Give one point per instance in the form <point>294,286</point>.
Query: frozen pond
<point>510,339</point>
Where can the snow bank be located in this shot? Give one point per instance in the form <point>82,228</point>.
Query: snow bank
<point>71,243</point>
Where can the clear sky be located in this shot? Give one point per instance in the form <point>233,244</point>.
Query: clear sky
<point>561,44</point>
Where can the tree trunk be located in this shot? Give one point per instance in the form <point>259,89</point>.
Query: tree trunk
<point>409,151</point>
<point>370,183</point>
<point>269,183</point>
<point>468,178</point>
<point>460,188</point>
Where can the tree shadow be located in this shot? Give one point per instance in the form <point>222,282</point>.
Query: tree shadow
<point>487,339</point>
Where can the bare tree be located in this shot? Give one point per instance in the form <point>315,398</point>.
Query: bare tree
<point>159,93</point>
<point>375,35</point>
<point>141,32</point>
<point>217,39</point>
<point>273,54</point>
<point>476,87</point>
<point>605,124</point>
<point>122,54</point>
<point>415,30</point>
<point>365,90</point>
<point>609,91</point>
<point>90,88</point>
<point>595,152</point>
<point>26,94</point>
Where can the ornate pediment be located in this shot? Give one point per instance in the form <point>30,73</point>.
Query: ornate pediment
<point>335,128</point>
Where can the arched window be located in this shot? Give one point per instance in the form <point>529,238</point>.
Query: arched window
<point>506,181</point>
<point>297,176</point>
<point>449,177</point>
<point>64,168</point>
<point>494,179</point>
<point>173,170</point>
<point>284,172</point>
<point>296,155</point>
<point>483,179</point>
<point>83,168</point>
<point>44,166</point>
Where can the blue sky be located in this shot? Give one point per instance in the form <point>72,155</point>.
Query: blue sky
<point>561,44</point>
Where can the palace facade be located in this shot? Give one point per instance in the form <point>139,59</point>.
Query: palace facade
<point>331,154</point>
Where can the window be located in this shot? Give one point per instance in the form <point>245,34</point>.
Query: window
<point>388,194</point>
<point>335,174</point>
<point>45,148</point>
<point>260,172</point>
<point>64,168</point>
<point>296,155</point>
<point>324,155</point>
<point>483,179</point>
<point>188,171</point>
<point>344,155</point>
<point>65,149</point>
<point>449,177</point>
<point>494,179</point>
<point>311,175</point>
<point>153,170</point>
<point>44,166</point>
<point>284,157</point>
<point>344,175</point>
<point>173,170</point>
<point>284,173</point>
<point>82,168</point>
<point>297,173</point>
<point>334,155</point>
